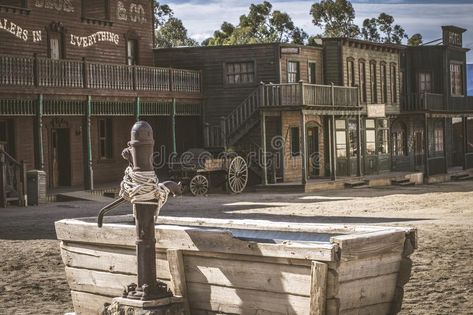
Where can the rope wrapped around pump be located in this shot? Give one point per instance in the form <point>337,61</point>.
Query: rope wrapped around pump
<point>143,188</point>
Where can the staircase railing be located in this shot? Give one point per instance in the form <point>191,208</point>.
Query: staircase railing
<point>242,112</point>
<point>12,180</point>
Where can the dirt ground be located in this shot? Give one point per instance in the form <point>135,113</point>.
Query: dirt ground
<point>32,279</point>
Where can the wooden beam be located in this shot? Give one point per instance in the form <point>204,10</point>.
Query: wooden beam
<point>465,141</point>
<point>38,135</point>
<point>88,170</point>
<point>3,180</point>
<point>173,126</point>
<point>178,276</point>
<point>318,288</point>
<point>303,150</point>
<point>263,147</point>
<point>426,146</point>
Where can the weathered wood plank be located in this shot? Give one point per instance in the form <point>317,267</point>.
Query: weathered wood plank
<point>109,259</point>
<point>368,267</point>
<point>191,239</point>
<point>318,292</point>
<point>242,301</point>
<point>87,303</point>
<point>377,309</point>
<point>358,246</point>
<point>248,275</point>
<point>178,276</point>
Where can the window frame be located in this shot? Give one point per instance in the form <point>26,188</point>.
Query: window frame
<point>105,152</point>
<point>298,72</point>
<point>363,87</point>
<point>351,79</point>
<point>373,82</point>
<point>399,139</point>
<point>238,84</point>
<point>419,73</point>
<point>453,81</point>
<point>384,82</point>
<point>393,74</point>
<point>312,73</point>
<point>295,145</point>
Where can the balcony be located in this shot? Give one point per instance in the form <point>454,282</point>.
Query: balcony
<point>437,102</point>
<point>311,95</point>
<point>71,76</point>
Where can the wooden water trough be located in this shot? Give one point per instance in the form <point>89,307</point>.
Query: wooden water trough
<point>244,266</point>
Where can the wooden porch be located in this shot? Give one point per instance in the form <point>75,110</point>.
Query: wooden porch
<point>436,102</point>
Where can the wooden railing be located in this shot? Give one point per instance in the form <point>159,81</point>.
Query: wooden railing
<point>12,180</point>
<point>242,112</point>
<point>18,71</point>
<point>436,102</point>
<point>301,94</point>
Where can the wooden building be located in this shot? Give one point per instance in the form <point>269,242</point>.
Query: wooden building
<point>435,129</point>
<point>74,77</point>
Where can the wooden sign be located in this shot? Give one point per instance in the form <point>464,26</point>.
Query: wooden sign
<point>19,32</point>
<point>87,41</point>
<point>58,5</point>
<point>290,50</point>
<point>376,110</point>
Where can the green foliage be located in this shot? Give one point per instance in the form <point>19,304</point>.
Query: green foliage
<point>169,31</point>
<point>260,25</point>
<point>415,40</point>
<point>383,30</point>
<point>335,17</point>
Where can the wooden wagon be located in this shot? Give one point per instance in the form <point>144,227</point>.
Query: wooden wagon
<point>198,169</point>
<point>245,266</point>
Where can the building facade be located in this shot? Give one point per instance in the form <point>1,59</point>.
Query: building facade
<point>74,77</point>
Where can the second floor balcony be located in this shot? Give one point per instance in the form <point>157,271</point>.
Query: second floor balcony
<point>437,102</point>
<point>39,75</point>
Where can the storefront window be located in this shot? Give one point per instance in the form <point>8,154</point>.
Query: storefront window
<point>383,132</point>
<point>436,138</point>
<point>353,138</point>
<point>370,137</point>
<point>398,138</point>
<point>341,138</point>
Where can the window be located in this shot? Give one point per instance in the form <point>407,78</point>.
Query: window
<point>373,83</point>
<point>312,73</point>
<point>398,139</point>
<point>437,145</point>
<point>240,72</point>
<point>352,138</point>
<point>132,52</point>
<point>362,73</point>
<point>370,137</point>
<point>383,136</point>
<point>105,138</point>
<point>55,46</point>
<point>384,83</point>
<point>425,82</point>
<point>393,84</point>
<point>350,72</point>
<point>295,144</point>
<point>456,79</point>
<point>293,72</point>
<point>341,138</point>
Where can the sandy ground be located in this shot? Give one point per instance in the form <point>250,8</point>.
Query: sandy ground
<point>32,279</point>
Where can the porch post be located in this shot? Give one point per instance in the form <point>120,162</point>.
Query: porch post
<point>303,149</point>
<point>426,146</point>
<point>38,135</point>
<point>173,126</point>
<point>465,141</point>
<point>358,149</point>
<point>445,164</point>
<point>333,174</point>
<point>137,108</point>
<point>263,146</point>
<point>89,173</point>
<point>3,179</point>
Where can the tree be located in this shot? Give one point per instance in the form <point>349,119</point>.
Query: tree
<point>415,40</point>
<point>169,31</point>
<point>260,25</point>
<point>382,30</point>
<point>173,34</point>
<point>335,17</point>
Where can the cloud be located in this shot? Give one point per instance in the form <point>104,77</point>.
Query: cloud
<point>203,18</point>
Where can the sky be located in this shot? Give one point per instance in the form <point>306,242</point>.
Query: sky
<point>470,80</point>
<point>203,17</point>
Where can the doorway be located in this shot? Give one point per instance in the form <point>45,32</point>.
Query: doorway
<point>418,150</point>
<point>60,157</point>
<point>457,142</point>
<point>313,151</point>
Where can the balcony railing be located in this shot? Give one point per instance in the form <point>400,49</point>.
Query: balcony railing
<point>436,102</point>
<point>18,71</point>
<point>301,94</point>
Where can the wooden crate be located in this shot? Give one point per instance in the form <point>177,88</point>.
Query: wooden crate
<point>245,266</point>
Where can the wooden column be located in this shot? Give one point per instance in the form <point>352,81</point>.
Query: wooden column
<point>358,154</point>
<point>263,148</point>
<point>426,146</point>
<point>318,288</point>
<point>88,170</point>
<point>223,132</point>
<point>333,173</point>
<point>465,142</point>
<point>3,179</point>
<point>303,149</point>
<point>38,135</point>
<point>137,108</point>
<point>445,160</point>
<point>173,126</point>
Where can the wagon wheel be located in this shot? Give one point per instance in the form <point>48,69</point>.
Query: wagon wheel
<point>237,175</point>
<point>199,185</point>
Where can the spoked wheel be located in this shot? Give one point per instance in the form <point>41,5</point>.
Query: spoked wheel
<point>199,185</point>
<point>237,175</point>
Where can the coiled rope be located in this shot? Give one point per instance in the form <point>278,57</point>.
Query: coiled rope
<point>143,188</point>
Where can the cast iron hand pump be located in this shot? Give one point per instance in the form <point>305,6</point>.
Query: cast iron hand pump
<point>141,187</point>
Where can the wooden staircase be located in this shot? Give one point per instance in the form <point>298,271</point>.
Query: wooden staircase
<point>12,181</point>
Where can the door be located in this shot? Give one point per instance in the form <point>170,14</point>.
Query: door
<point>371,158</point>
<point>60,157</point>
<point>418,150</point>
<point>457,142</point>
<point>313,153</point>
